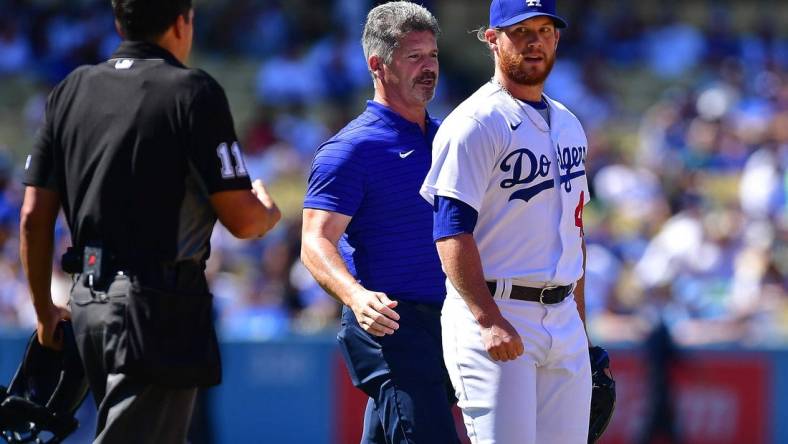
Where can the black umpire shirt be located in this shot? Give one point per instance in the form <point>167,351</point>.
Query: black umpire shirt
<point>134,146</point>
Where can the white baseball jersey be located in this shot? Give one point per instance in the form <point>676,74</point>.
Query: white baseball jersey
<point>526,179</point>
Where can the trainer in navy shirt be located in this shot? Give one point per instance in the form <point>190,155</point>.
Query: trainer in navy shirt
<point>367,236</point>
<point>371,171</point>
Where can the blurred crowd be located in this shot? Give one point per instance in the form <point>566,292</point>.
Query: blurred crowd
<point>688,158</point>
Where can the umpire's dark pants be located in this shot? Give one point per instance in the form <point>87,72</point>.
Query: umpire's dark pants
<point>130,410</point>
<point>404,376</point>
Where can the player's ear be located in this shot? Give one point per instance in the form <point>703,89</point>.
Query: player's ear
<point>491,35</point>
<point>557,38</point>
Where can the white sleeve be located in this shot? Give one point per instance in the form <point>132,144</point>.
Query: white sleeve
<point>463,160</point>
<point>587,194</point>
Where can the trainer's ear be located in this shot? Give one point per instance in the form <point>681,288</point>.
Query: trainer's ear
<point>376,67</point>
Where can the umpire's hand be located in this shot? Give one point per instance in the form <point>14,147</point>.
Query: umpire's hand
<point>48,318</point>
<point>258,189</point>
<point>501,340</point>
<point>374,312</point>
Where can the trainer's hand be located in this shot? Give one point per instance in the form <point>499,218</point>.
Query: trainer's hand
<point>501,340</point>
<point>375,312</point>
<point>262,195</point>
<point>48,334</point>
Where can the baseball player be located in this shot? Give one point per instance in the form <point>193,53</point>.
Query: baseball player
<point>508,186</point>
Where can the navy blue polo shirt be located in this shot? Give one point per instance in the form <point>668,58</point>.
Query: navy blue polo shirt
<point>372,171</point>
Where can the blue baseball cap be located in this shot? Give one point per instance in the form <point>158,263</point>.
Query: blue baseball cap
<point>505,13</point>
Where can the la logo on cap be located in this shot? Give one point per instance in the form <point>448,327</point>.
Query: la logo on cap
<point>534,3</point>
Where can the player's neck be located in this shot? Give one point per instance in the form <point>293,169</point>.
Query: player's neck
<point>529,93</point>
<point>417,115</point>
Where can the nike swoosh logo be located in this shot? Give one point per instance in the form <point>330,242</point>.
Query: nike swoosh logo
<point>514,127</point>
<point>404,155</point>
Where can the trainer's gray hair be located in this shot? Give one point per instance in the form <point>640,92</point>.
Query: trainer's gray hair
<point>389,22</point>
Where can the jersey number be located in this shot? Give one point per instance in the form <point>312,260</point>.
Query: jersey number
<point>579,213</point>
<point>228,172</point>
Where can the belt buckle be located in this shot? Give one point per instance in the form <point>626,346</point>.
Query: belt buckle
<point>541,293</point>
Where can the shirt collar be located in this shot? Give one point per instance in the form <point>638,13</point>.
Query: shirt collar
<point>397,121</point>
<point>144,50</point>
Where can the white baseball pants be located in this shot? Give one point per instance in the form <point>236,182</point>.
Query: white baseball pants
<point>543,397</point>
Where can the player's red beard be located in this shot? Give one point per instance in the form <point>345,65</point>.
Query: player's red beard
<point>512,65</point>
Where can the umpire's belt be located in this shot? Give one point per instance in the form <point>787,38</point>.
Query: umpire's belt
<point>547,295</point>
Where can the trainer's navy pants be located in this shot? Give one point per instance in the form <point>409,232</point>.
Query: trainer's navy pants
<point>403,374</point>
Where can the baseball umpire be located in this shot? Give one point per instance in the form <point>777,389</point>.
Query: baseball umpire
<point>508,184</point>
<point>141,153</point>
<point>367,235</point>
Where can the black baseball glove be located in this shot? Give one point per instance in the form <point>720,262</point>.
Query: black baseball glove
<point>603,393</point>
